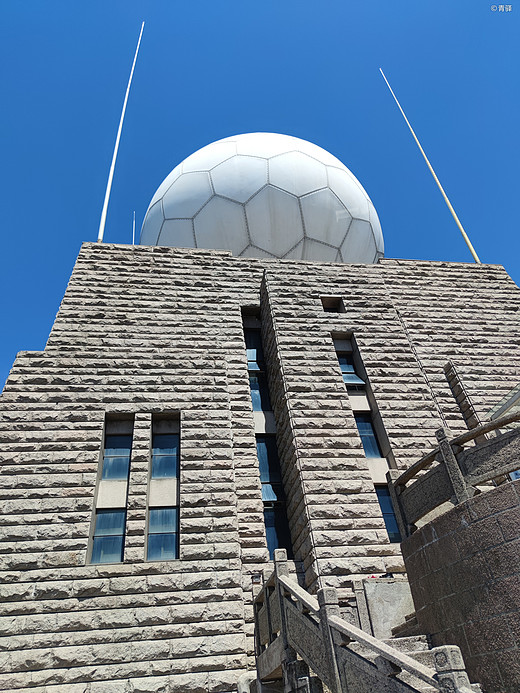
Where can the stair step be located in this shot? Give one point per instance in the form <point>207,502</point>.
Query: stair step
<point>412,643</point>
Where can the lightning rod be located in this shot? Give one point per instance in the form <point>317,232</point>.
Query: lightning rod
<point>453,213</point>
<point>116,147</point>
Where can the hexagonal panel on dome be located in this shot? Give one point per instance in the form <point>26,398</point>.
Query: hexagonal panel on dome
<point>239,177</point>
<point>297,173</point>
<point>152,225</point>
<point>318,153</point>
<point>376,227</point>
<point>320,252</point>
<point>310,194</point>
<point>187,195</point>
<point>221,224</point>
<point>262,144</point>
<point>295,253</point>
<point>325,218</point>
<point>208,157</point>
<point>274,220</point>
<point>349,193</point>
<point>253,251</point>
<point>359,243</point>
<point>177,233</point>
<point>167,182</point>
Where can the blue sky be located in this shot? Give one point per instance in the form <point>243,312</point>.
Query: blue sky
<point>209,70</point>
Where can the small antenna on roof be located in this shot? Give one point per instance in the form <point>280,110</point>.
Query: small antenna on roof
<point>116,147</point>
<point>454,215</point>
<point>133,230</point>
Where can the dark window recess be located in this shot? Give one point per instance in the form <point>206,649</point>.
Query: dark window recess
<point>332,304</point>
<point>351,380</point>
<point>255,354</point>
<point>259,392</point>
<point>368,436</point>
<point>116,456</point>
<point>165,456</point>
<point>256,367</point>
<point>275,514</point>
<point>163,534</point>
<point>277,528</point>
<point>269,464</point>
<point>109,536</point>
<point>383,496</point>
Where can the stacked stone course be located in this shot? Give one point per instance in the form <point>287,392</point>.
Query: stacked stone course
<point>152,330</point>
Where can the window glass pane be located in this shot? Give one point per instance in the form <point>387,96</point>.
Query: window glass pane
<point>165,443</point>
<point>117,445</point>
<point>383,496</point>
<point>110,522</point>
<point>346,363</point>
<point>107,550</point>
<point>115,467</point>
<point>391,527</point>
<point>162,520</point>
<point>268,458</point>
<point>277,529</point>
<point>385,502</point>
<point>268,493</point>
<point>352,378</point>
<point>165,466</point>
<point>370,445</point>
<point>259,392</point>
<point>254,345</point>
<point>162,547</point>
<point>368,437</point>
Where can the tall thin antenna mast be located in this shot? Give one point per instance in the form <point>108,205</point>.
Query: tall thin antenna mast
<point>133,230</point>
<point>116,147</point>
<point>453,213</point>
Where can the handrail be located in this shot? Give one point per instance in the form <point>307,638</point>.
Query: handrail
<point>307,599</point>
<point>353,633</point>
<point>400,659</point>
<point>459,440</point>
<point>335,639</point>
<point>486,428</point>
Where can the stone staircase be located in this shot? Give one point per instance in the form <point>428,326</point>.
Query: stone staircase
<point>303,645</point>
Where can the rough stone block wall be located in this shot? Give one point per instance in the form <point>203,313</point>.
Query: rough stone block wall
<point>464,573</point>
<point>151,330</point>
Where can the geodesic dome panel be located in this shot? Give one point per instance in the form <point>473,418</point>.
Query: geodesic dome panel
<point>265,195</point>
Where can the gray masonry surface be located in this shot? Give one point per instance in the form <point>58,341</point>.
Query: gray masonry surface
<point>464,572</point>
<point>154,330</point>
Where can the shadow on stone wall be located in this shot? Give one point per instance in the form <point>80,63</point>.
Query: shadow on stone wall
<point>464,572</point>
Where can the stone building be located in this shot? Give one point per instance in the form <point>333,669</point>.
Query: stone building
<point>193,411</point>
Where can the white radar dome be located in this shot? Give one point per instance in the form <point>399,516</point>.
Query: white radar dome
<point>269,196</point>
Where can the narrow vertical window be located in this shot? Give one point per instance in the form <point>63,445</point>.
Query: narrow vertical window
<point>256,367</point>
<point>367,435</point>
<point>350,377</point>
<point>163,499</point>
<point>385,502</point>
<point>116,457</point>
<point>358,388</point>
<point>163,529</point>
<point>275,511</point>
<point>165,456</point>
<point>109,535</point>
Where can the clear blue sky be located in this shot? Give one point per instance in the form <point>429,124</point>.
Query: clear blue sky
<point>208,70</point>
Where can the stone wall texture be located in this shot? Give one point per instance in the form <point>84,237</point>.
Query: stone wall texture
<point>144,330</point>
<point>464,573</point>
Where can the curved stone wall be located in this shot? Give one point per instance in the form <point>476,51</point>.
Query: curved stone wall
<point>464,572</point>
